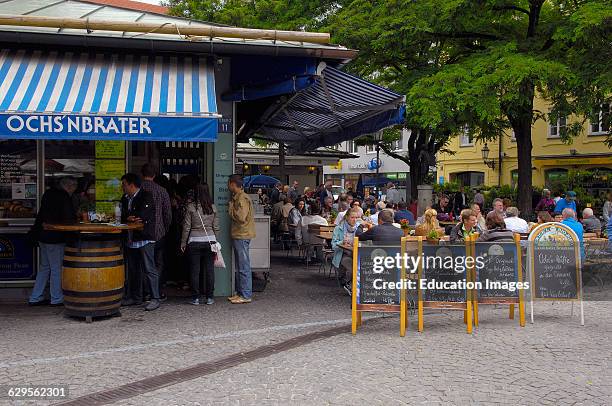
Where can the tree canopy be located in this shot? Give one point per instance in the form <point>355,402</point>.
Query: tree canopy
<point>461,63</point>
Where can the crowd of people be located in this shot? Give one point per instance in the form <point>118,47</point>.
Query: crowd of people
<point>180,226</point>
<point>177,240</point>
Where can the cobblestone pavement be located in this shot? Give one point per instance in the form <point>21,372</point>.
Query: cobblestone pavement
<point>554,361</point>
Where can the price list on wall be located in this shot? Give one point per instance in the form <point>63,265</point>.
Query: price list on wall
<point>109,168</point>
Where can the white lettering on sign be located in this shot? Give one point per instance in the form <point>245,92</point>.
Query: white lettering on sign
<point>79,124</point>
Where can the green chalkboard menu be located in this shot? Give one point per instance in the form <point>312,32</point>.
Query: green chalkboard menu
<point>554,270</point>
<point>499,273</point>
<point>441,274</point>
<point>371,276</point>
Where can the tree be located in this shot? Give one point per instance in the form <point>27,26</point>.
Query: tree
<point>423,145</point>
<point>500,54</point>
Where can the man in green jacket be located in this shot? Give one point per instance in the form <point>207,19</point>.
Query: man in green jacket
<point>243,231</point>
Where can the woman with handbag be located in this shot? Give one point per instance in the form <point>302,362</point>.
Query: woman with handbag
<point>197,242</point>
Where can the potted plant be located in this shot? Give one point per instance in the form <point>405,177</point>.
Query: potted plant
<point>405,226</point>
<point>433,237</point>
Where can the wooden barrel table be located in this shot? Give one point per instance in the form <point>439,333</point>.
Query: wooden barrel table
<point>93,274</point>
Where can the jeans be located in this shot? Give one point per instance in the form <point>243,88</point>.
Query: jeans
<point>201,266</point>
<point>141,263</point>
<point>51,258</point>
<point>244,279</point>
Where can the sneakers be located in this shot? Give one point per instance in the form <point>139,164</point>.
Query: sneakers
<point>232,298</point>
<point>153,304</point>
<point>241,300</point>
<point>210,301</point>
<point>39,303</point>
<point>195,302</point>
<point>348,288</point>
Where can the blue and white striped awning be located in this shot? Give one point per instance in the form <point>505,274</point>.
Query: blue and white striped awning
<point>336,108</point>
<point>65,95</point>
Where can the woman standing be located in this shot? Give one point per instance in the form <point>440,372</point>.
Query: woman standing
<point>199,227</point>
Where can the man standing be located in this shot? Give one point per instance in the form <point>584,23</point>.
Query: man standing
<point>275,194</point>
<point>137,206</point>
<point>243,231</point>
<point>326,192</point>
<point>569,202</point>
<point>393,195</point>
<point>460,202</point>
<point>55,208</point>
<point>163,217</point>
<point>293,191</point>
<point>479,199</point>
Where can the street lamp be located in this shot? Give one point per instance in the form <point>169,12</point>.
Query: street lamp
<point>378,136</point>
<point>485,157</point>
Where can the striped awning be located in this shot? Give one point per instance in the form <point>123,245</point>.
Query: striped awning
<point>336,108</point>
<point>65,95</point>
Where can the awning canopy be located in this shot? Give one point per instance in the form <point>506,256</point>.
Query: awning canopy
<point>336,108</point>
<point>64,95</point>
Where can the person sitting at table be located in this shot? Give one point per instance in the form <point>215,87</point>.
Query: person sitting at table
<point>327,208</point>
<point>543,217</point>
<point>343,236</point>
<point>480,220</point>
<point>55,208</point>
<point>384,231</point>
<point>380,206</point>
<point>569,219</point>
<point>558,217</point>
<point>443,208</point>
<point>568,202</point>
<point>467,227</point>
<point>430,223</point>
<point>514,222</point>
<point>302,236</point>
<point>402,213</point>
<point>296,212</point>
<point>496,229</point>
<point>590,223</point>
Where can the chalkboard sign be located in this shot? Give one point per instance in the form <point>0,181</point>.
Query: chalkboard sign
<point>554,263</point>
<point>499,274</point>
<point>370,278</point>
<point>436,270</point>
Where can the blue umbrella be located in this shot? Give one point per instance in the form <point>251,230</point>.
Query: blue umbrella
<point>259,181</point>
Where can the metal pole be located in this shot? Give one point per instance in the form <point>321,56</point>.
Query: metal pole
<point>377,167</point>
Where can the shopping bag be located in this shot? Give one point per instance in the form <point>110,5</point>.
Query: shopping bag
<point>219,262</point>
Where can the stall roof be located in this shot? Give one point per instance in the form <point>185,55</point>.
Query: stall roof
<point>336,108</point>
<point>125,11</point>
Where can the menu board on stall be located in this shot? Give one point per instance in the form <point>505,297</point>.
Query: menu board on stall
<point>16,257</point>
<point>555,263</point>
<point>373,278</point>
<point>499,274</point>
<point>109,168</point>
<point>439,270</point>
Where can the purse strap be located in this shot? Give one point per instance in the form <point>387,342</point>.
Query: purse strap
<point>202,221</point>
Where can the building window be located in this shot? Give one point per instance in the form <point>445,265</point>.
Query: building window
<point>600,121</point>
<point>554,129</point>
<point>555,177</point>
<point>514,178</point>
<point>351,147</point>
<point>468,179</point>
<point>513,136</point>
<point>465,139</point>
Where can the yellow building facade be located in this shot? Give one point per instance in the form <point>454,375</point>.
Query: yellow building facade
<point>551,158</point>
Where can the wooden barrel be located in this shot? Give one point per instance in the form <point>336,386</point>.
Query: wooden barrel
<point>93,276</point>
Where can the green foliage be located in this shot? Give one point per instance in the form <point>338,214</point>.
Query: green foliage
<point>503,192</point>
